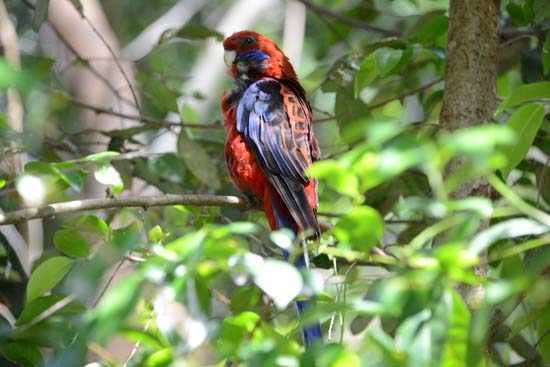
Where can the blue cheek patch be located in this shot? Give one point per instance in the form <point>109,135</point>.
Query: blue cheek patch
<point>252,55</point>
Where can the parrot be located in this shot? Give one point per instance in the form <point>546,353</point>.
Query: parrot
<point>270,142</point>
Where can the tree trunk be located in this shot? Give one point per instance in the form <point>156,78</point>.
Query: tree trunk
<point>470,88</point>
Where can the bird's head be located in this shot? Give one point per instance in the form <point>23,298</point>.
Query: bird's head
<point>251,56</point>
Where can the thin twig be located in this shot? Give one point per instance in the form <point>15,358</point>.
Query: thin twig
<point>347,20</point>
<point>147,119</point>
<point>47,312</point>
<point>138,343</point>
<point>144,202</point>
<point>109,281</point>
<point>93,70</point>
<point>406,94</point>
<point>115,59</point>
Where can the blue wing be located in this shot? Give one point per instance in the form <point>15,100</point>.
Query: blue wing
<point>281,145</point>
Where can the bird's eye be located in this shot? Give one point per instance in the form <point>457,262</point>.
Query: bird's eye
<point>249,41</point>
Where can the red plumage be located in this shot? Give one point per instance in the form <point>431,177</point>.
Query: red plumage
<point>256,58</point>
<point>270,141</point>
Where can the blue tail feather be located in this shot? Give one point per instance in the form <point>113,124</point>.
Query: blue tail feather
<point>311,332</point>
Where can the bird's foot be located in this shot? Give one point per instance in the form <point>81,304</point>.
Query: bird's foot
<point>251,200</point>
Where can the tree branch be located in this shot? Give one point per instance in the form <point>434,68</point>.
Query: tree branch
<point>144,202</point>
<point>347,20</point>
<point>115,58</point>
<point>147,119</point>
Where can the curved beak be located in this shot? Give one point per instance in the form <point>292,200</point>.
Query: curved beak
<point>228,58</point>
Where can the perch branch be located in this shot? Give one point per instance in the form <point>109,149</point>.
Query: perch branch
<point>144,202</point>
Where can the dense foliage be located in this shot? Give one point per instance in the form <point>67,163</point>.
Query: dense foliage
<point>205,285</point>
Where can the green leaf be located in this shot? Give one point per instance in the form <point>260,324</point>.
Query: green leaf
<point>516,13</point>
<point>160,96</point>
<point>349,109</point>
<point>544,343</point>
<point>2,183</point>
<point>41,304</point>
<point>117,305</point>
<point>196,31</point>
<point>541,9</point>
<point>477,140</point>
<point>363,228</point>
<point>108,175</point>
<point>511,228</point>
<point>433,29</point>
<point>198,161</point>
<point>272,285</point>
<point>98,157</point>
<point>525,93</point>
<point>525,122</point>
<point>386,59</point>
<point>233,331</point>
<point>90,224</point>
<point>155,234</point>
<point>245,299</point>
<point>23,354</point>
<point>161,358</point>
<point>40,14</point>
<point>456,345</point>
<point>336,177</point>
<point>529,318</point>
<point>47,275</point>
<point>71,243</point>
<point>368,72</point>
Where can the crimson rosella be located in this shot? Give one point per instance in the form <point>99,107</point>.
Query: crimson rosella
<point>270,141</point>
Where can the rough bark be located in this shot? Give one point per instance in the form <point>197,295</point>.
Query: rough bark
<point>470,88</point>
<point>471,68</point>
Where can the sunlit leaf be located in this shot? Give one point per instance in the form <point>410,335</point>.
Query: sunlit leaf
<point>98,157</point>
<point>511,228</point>
<point>480,139</point>
<point>281,288</point>
<point>362,228</point>
<point>234,329</point>
<point>525,93</point>
<point>386,59</point>
<point>47,275</point>
<point>155,234</point>
<point>71,243</point>
<point>161,358</point>
<point>336,177</point>
<point>456,344</point>
<point>525,122</point>
<point>108,175</point>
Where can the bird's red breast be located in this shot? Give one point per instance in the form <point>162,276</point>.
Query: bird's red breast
<point>270,140</point>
